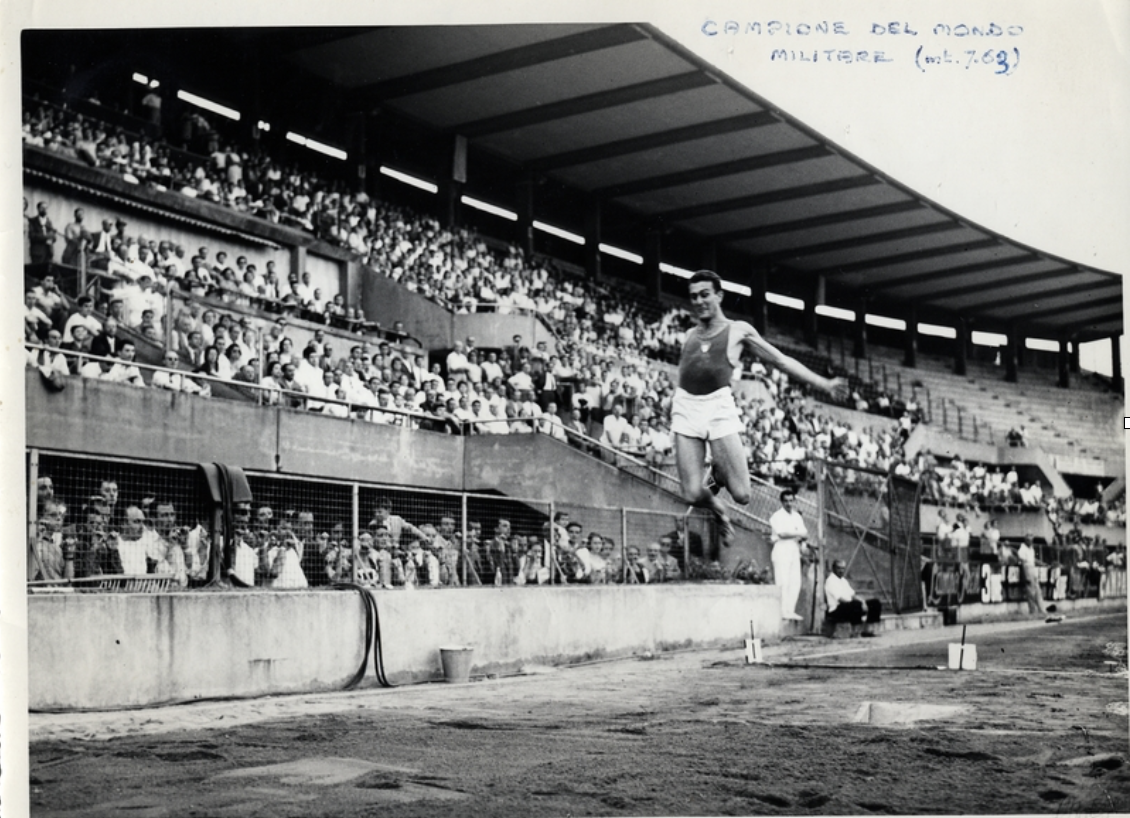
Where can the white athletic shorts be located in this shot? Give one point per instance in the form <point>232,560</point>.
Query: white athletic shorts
<point>707,417</point>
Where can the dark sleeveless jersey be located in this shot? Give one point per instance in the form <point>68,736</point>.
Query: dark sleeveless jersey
<point>704,366</point>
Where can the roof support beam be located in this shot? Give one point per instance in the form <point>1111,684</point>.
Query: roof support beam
<point>904,258</point>
<point>772,197</point>
<point>662,139</point>
<point>1042,296</point>
<point>502,62</point>
<point>865,240</point>
<point>1065,310</point>
<point>989,286</point>
<point>1096,320</point>
<point>761,231</point>
<point>585,104</point>
<point>957,272</point>
<point>686,177</point>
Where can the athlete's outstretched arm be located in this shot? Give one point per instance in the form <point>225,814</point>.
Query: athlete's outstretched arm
<point>751,339</point>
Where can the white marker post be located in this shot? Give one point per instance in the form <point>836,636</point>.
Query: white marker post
<point>753,648</point>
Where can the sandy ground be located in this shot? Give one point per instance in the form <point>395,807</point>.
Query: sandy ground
<point>825,727</point>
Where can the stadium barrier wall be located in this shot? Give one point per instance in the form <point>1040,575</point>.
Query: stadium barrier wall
<point>95,417</point>
<point>1014,525</point>
<point>143,649</point>
<point>946,445</point>
<point>386,301</point>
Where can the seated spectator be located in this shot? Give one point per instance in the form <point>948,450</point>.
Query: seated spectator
<point>50,361</point>
<point>843,605</point>
<point>50,300</point>
<point>124,370</point>
<point>36,321</point>
<point>211,364</point>
<point>85,318</point>
<point>175,381</point>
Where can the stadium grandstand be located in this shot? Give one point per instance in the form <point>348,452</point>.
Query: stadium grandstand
<point>399,308</point>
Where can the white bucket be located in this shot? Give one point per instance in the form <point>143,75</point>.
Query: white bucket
<point>456,661</point>
<point>960,662</point>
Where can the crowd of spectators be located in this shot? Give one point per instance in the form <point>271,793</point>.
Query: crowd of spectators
<point>607,345</point>
<point>109,536</point>
<point>293,547</point>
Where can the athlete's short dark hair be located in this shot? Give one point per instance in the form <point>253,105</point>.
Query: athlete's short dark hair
<point>707,275</point>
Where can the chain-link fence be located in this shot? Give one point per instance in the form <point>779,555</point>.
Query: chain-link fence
<point>92,518</point>
<point>113,517</point>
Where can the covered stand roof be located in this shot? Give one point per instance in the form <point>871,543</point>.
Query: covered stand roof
<point>627,115</point>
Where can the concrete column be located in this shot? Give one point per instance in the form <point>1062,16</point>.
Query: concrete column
<point>452,184</point>
<point>759,307</point>
<point>1063,363</point>
<point>1011,358</point>
<point>593,239</point>
<point>1116,362</point>
<point>1074,356</point>
<point>910,340</point>
<point>859,330</point>
<point>653,247</point>
<point>524,228</point>
<point>297,263</point>
<point>960,347</point>
<point>811,323</point>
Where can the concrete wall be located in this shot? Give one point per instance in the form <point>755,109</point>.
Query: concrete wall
<point>115,650</point>
<point>386,301</point>
<point>495,330</point>
<point>535,467</point>
<point>944,444</point>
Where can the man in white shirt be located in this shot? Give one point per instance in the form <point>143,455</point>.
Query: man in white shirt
<point>84,317</point>
<point>614,426</point>
<point>550,424</point>
<point>845,606</point>
<point>491,368</point>
<point>1026,554</point>
<point>124,370</point>
<point>52,359</point>
<point>457,363</point>
<point>789,536</point>
<point>137,545</point>
<point>176,381</point>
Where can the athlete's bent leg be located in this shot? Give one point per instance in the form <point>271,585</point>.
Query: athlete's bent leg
<point>731,467</point>
<point>690,457</point>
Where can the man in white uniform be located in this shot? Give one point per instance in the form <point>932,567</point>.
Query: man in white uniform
<point>788,535</point>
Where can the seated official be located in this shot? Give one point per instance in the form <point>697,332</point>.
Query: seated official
<point>845,606</point>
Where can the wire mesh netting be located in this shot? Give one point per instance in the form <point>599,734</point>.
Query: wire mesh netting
<point>96,518</point>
